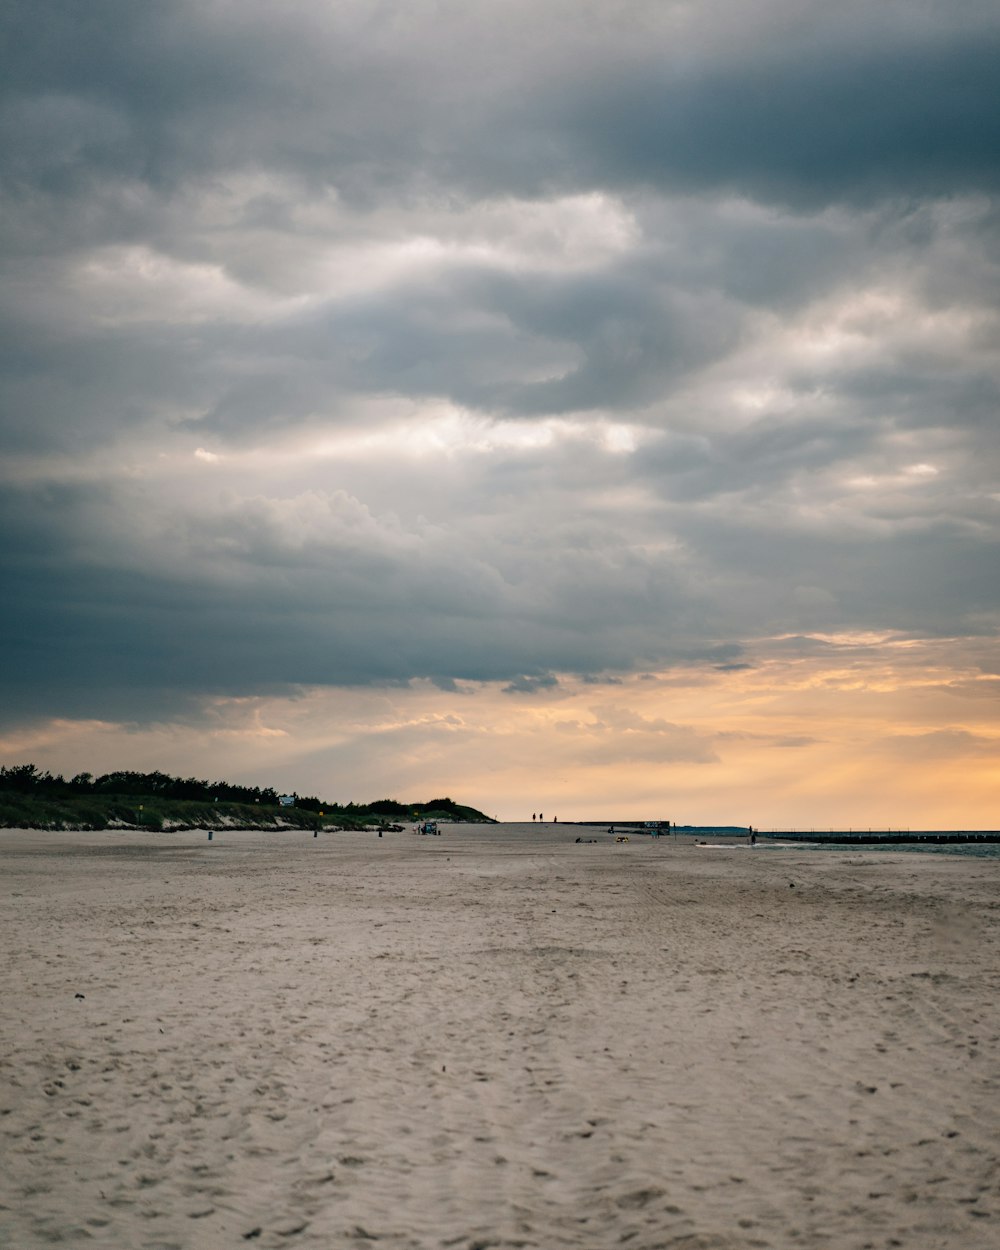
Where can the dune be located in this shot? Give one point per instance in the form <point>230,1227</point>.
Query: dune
<point>497,1037</point>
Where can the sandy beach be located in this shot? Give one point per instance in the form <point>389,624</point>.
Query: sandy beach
<point>497,1037</point>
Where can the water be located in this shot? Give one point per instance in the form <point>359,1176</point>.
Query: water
<point>973,850</point>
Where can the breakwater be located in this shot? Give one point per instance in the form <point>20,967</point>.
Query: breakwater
<point>834,836</point>
<point>847,836</point>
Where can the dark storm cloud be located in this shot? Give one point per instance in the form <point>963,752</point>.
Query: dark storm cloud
<point>634,337</point>
<point>531,685</point>
<point>835,121</point>
<point>256,597</point>
<point>112,111</point>
<point>736,279</point>
<point>73,388</point>
<point>612,340</point>
<point>848,106</point>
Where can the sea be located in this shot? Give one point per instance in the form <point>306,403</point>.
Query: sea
<point>851,840</point>
<point>969,850</point>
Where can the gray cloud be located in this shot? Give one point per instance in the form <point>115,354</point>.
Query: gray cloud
<point>349,346</point>
<point>803,106</point>
<point>836,120</point>
<point>531,685</point>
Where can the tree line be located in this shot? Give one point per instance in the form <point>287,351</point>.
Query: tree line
<point>29,779</point>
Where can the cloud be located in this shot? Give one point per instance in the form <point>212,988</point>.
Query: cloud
<point>949,742</point>
<point>350,349</point>
<point>793,123</point>
<point>531,685</point>
<point>799,104</point>
<point>625,735</point>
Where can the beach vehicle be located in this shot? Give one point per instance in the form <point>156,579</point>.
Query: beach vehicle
<point>430,826</point>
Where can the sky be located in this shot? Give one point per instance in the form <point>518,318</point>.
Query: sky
<point>566,406</point>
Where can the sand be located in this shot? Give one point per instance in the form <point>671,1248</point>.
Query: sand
<point>497,1037</point>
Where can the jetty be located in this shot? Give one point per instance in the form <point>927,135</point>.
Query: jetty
<point>887,836</point>
<point>844,837</point>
